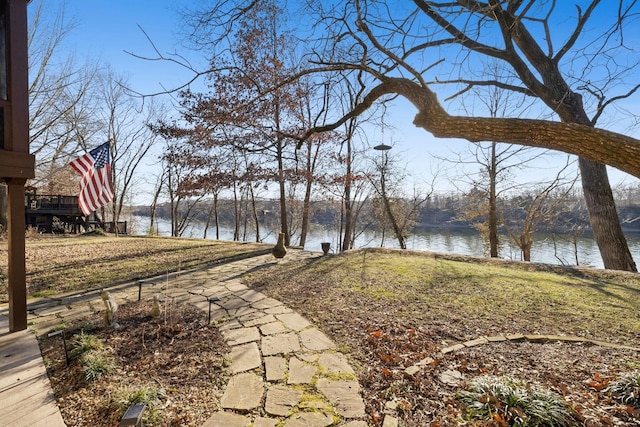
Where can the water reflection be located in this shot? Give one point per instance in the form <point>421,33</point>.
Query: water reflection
<point>550,249</point>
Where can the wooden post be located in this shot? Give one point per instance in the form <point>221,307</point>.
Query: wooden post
<point>16,164</point>
<point>17,267</point>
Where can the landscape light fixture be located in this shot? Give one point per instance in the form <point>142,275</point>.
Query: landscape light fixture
<point>211,301</point>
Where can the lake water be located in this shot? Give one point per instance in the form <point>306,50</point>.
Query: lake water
<point>558,249</point>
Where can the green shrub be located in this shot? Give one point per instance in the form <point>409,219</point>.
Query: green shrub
<point>626,389</point>
<point>85,343</point>
<point>95,365</point>
<point>515,403</point>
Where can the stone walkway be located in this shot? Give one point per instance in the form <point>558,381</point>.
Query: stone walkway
<point>284,370</point>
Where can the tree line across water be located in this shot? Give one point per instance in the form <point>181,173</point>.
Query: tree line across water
<point>442,211</point>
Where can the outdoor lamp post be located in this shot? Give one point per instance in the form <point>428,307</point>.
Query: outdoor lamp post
<point>383,148</point>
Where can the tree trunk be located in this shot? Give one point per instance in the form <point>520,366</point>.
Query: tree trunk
<point>236,213</point>
<point>525,246</point>
<point>348,216</point>
<point>493,208</point>
<point>284,226</point>
<point>254,213</point>
<point>216,215</point>
<point>306,213</point>
<point>346,239</point>
<point>603,217</point>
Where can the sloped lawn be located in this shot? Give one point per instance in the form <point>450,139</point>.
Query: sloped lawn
<point>389,311</point>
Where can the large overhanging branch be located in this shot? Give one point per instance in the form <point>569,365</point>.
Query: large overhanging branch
<point>614,149</point>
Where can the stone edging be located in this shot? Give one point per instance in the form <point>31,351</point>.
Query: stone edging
<point>532,338</point>
<point>415,368</point>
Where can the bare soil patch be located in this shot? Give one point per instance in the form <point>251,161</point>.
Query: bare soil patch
<point>178,356</point>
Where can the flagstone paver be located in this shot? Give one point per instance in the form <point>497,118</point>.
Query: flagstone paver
<point>267,318</point>
<point>245,357</point>
<point>227,419</point>
<point>309,419</point>
<point>265,422</point>
<point>251,296</point>
<point>344,395</point>
<point>244,392</point>
<point>266,303</point>
<point>300,372</point>
<point>273,328</point>
<point>335,363</point>
<point>275,368</point>
<point>279,309</point>
<point>281,400</point>
<point>313,339</point>
<point>390,421</point>
<point>293,321</point>
<point>241,335</point>
<point>280,344</point>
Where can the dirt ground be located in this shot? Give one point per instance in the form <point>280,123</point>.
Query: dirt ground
<point>176,355</point>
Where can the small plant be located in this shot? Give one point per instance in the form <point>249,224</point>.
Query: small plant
<point>511,402</point>
<point>151,397</point>
<point>94,360</point>
<point>95,365</point>
<point>145,395</point>
<point>626,389</point>
<point>85,343</point>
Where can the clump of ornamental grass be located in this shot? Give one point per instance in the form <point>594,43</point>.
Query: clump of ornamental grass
<point>149,396</point>
<point>94,359</point>
<point>84,343</point>
<point>95,365</point>
<point>626,389</point>
<point>512,402</point>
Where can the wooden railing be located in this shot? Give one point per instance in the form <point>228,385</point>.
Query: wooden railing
<point>52,204</point>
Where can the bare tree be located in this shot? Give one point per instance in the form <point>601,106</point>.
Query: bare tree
<point>349,153</point>
<point>124,122</point>
<point>536,208</point>
<point>183,197</point>
<point>572,74</point>
<point>61,101</point>
<point>259,55</point>
<point>400,211</point>
<point>153,207</point>
<point>388,42</point>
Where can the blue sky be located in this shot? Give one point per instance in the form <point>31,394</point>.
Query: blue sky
<point>106,30</point>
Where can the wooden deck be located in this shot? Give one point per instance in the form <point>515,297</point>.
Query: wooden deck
<point>26,397</point>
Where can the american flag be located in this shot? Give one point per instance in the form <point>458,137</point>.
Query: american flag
<point>95,187</point>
